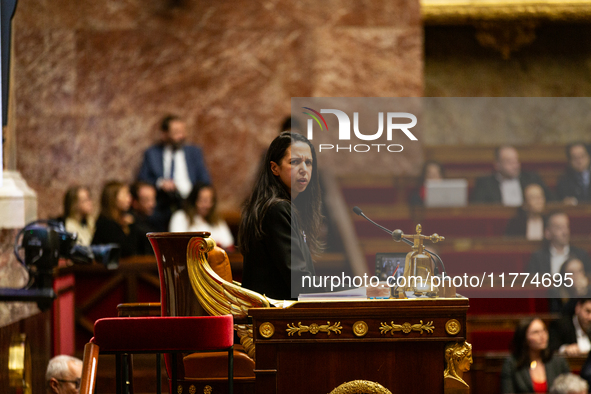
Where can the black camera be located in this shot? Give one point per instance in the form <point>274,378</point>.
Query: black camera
<point>44,242</point>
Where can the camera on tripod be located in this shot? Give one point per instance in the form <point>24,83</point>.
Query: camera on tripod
<point>46,241</point>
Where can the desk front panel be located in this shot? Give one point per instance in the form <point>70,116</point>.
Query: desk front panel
<point>315,347</point>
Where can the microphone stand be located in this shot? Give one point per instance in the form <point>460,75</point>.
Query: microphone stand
<point>397,236</point>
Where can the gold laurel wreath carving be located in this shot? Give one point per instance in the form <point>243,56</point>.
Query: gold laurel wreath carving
<point>314,328</point>
<point>360,387</point>
<point>406,327</point>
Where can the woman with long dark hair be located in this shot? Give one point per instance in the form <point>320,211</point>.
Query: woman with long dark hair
<point>115,224</point>
<point>281,220</point>
<point>531,368</point>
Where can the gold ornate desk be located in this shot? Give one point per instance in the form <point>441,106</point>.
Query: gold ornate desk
<point>314,347</point>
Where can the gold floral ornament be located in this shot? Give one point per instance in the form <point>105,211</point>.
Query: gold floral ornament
<point>207,390</point>
<point>361,387</point>
<point>453,327</point>
<point>360,328</point>
<point>192,389</point>
<point>407,327</point>
<point>314,328</point>
<point>267,330</point>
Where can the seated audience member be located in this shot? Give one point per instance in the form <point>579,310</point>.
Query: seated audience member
<point>432,170</point>
<point>173,167</point>
<point>507,183</point>
<point>63,375</point>
<point>564,298</point>
<point>78,217</point>
<point>574,185</point>
<point>557,248</point>
<point>143,202</point>
<point>569,383</point>
<point>529,222</point>
<point>570,334</point>
<point>531,368</point>
<point>115,224</point>
<point>199,214</point>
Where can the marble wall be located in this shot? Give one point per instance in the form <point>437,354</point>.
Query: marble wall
<point>94,78</point>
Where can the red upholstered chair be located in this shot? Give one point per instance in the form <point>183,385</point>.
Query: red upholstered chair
<point>124,335</point>
<point>177,298</point>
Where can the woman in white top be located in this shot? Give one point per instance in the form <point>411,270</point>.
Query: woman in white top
<point>78,217</point>
<point>199,214</point>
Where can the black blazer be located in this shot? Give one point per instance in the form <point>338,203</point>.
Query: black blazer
<point>488,188</point>
<point>276,263</point>
<point>519,381</point>
<point>562,332</point>
<point>540,260</point>
<point>569,185</point>
<point>108,231</point>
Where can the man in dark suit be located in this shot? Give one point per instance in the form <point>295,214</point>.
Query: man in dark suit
<point>557,247</point>
<point>173,167</point>
<point>570,334</point>
<point>506,185</point>
<point>574,185</point>
<point>143,203</point>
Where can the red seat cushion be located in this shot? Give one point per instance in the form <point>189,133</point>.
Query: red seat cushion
<point>162,334</point>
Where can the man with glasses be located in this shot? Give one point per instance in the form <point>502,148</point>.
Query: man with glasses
<point>63,375</point>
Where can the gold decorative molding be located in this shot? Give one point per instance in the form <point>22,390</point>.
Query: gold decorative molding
<point>20,372</point>
<point>267,330</point>
<point>406,327</point>
<point>207,389</point>
<point>179,389</point>
<point>360,387</point>
<point>314,328</point>
<point>468,11</point>
<point>453,327</point>
<point>360,328</point>
<point>192,389</point>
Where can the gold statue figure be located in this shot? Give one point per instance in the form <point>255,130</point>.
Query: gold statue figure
<point>418,268</point>
<point>458,357</point>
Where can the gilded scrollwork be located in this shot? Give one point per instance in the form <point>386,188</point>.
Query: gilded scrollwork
<point>314,328</point>
<point>360,387</point>
<point>406,327</point>
<point>220,297</point>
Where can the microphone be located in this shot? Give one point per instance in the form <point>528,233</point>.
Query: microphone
<point>397,235</point>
